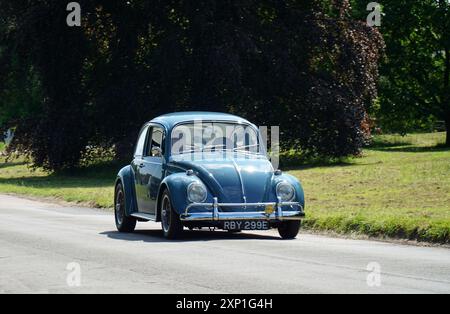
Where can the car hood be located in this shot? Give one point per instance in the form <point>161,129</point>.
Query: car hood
<point>234,178</point>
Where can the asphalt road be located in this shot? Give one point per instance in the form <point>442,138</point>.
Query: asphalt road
<point>47,248</point>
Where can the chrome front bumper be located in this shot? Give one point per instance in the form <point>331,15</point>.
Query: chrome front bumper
<point>215,215</point>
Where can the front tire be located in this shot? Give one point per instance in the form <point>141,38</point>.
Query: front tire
<point>124,223</point>
<point>289,229</point>
<point>170,220</point>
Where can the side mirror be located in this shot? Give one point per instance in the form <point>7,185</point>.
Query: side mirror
<point>156,151</point>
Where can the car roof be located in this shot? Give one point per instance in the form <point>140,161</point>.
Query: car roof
<point>172,119</point>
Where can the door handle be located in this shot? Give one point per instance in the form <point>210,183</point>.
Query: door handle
<point>142,165</point>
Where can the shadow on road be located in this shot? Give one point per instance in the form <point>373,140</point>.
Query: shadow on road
<point>188,236</point>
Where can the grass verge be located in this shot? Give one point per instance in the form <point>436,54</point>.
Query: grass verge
<point>92,186</point>
<point>400,188</point>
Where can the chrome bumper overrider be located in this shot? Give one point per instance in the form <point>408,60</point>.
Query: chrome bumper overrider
<point>215,215</point>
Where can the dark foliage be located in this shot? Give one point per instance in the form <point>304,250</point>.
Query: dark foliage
<point>303,65</point>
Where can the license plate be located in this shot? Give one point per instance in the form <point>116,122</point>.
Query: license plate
<point>246,225</point>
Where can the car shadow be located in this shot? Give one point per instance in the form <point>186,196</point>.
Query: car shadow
<point>152,236</point>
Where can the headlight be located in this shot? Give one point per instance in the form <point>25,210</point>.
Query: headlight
<point>196,192</point>
<point>285,191</point>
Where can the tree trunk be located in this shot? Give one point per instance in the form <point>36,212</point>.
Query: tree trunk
<point>447,125</point>
<point>447,94</point>
<point>124,149</point>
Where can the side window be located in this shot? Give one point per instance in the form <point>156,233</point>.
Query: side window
<point>141,142</point>
<point>156,145</point>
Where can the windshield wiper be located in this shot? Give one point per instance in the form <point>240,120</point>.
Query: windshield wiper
<point>198,149</point>
<point>245,147</point>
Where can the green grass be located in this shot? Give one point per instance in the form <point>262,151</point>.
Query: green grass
<point>92,186</point>
<point>400,188</point>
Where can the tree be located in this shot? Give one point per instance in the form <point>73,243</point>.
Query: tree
<point>56,134</point>
<point>307,66</point>
<point>415,73</point>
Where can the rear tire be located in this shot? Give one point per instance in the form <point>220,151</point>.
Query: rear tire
<point>289,229</point>
<point>124,223</point>
<point>170,220</point>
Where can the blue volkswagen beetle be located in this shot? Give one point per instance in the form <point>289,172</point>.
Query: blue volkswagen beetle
<point>200,169</point>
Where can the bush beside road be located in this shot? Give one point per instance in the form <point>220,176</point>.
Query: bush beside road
<point>399,188</point>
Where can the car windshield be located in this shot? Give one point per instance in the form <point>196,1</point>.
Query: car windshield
<point>215,137</point>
